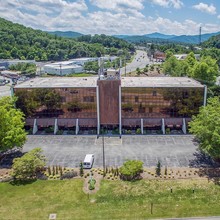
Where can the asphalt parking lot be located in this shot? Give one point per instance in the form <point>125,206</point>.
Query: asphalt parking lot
<point>67,150</point>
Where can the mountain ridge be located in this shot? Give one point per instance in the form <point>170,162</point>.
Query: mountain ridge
<point>67,34</point>
<point>157,37</point>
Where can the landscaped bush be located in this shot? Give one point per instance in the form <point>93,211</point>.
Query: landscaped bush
<point>49,130</point>
<point>127,131</point>
<point>138,131</point>
<point>69,175</point>
<point>131,170</point>
<point>115,131</point>
<point>167,130</point>
<point>29,165</point>
<point>59,132</point>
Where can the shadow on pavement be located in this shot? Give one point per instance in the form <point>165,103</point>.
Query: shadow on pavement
<point>207,167</point>
<point>6,159</point>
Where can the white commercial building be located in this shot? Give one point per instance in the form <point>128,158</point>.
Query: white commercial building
<point>62,68</point>
<point>71,66</point>
<point>82,61</point>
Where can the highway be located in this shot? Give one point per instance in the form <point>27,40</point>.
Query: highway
<point>140,60</point>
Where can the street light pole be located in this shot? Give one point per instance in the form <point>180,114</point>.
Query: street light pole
<point>103,154</point>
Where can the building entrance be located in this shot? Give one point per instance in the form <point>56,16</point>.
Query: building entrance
<point>109,129</point>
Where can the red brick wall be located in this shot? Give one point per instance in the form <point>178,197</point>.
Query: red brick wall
<point>109,101</point>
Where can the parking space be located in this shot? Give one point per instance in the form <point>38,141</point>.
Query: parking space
<point>67,150</point>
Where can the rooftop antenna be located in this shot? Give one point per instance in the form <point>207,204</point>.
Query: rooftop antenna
<point>200,35</point>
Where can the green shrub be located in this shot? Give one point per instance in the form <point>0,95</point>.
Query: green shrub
<point>59,132</point>
<point>158,168</point>
<point>49,130</point>
<point>81,171</point>
<point>138,131</point>
<point>68,175</point>
<point>167,130</point>
<point>165,171</point>
<point>29,165</point>
<point>127,131</point>
<point>131,170</point>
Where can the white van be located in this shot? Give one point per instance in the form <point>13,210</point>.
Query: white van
<point>88,161</point>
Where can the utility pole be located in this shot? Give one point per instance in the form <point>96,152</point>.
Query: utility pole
<point>125,67</point>
<point>200,35</point>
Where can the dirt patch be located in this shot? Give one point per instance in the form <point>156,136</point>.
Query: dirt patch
<point>92,175</point>
<point>4,172</point>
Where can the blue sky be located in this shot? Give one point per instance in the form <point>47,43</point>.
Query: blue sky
<point>132,17</point>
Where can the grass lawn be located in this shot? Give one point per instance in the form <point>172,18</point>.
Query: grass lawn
<point>82,75</point>
<point>115,200</point>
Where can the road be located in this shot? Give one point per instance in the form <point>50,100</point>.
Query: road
<point>5,90</point>
<point>140,60</point>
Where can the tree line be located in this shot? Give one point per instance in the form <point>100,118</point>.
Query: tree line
<point>20,42</point>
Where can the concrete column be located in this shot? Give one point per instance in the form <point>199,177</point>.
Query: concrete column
<point>35,128</point>
<point>119,94</point>
<point>142,126</point>
<point>77,126</point>
<point>56,128</point>
<point>205,96</point>
<point>163,126</point>
<point>98,110</point>
<point>184,126</point>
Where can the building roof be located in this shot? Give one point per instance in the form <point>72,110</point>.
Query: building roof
<point>73,66</point>
<point>61,82</point>
<point>159,82</point>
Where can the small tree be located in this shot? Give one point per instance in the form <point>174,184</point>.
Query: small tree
<point>81,171</point>
<point>131,170</point>
<point>165,171</point>
<point>206,127</point>
<point>12,133</point>
<point>158,168</point>
<point>27,166</point>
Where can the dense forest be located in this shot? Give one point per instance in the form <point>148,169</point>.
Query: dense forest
<point>20,42</point>
<point>213,42</point>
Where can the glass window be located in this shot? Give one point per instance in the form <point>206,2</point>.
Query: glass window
<point>154,93</point>
<point>88,99</point>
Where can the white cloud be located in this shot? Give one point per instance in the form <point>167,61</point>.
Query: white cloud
<point>111,17</point>
<point>210,9</point>
<point>115,4</point>
<point>168,3</point>
<point>42,14</point>
<point>121,6</point>
<point>218,16</point>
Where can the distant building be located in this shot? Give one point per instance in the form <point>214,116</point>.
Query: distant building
<point>67,67</point>
<point>7,63</point>
<point>83,60</point>
<point>62,68</point>
<point>183,56</point>
<point>159,56</point>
